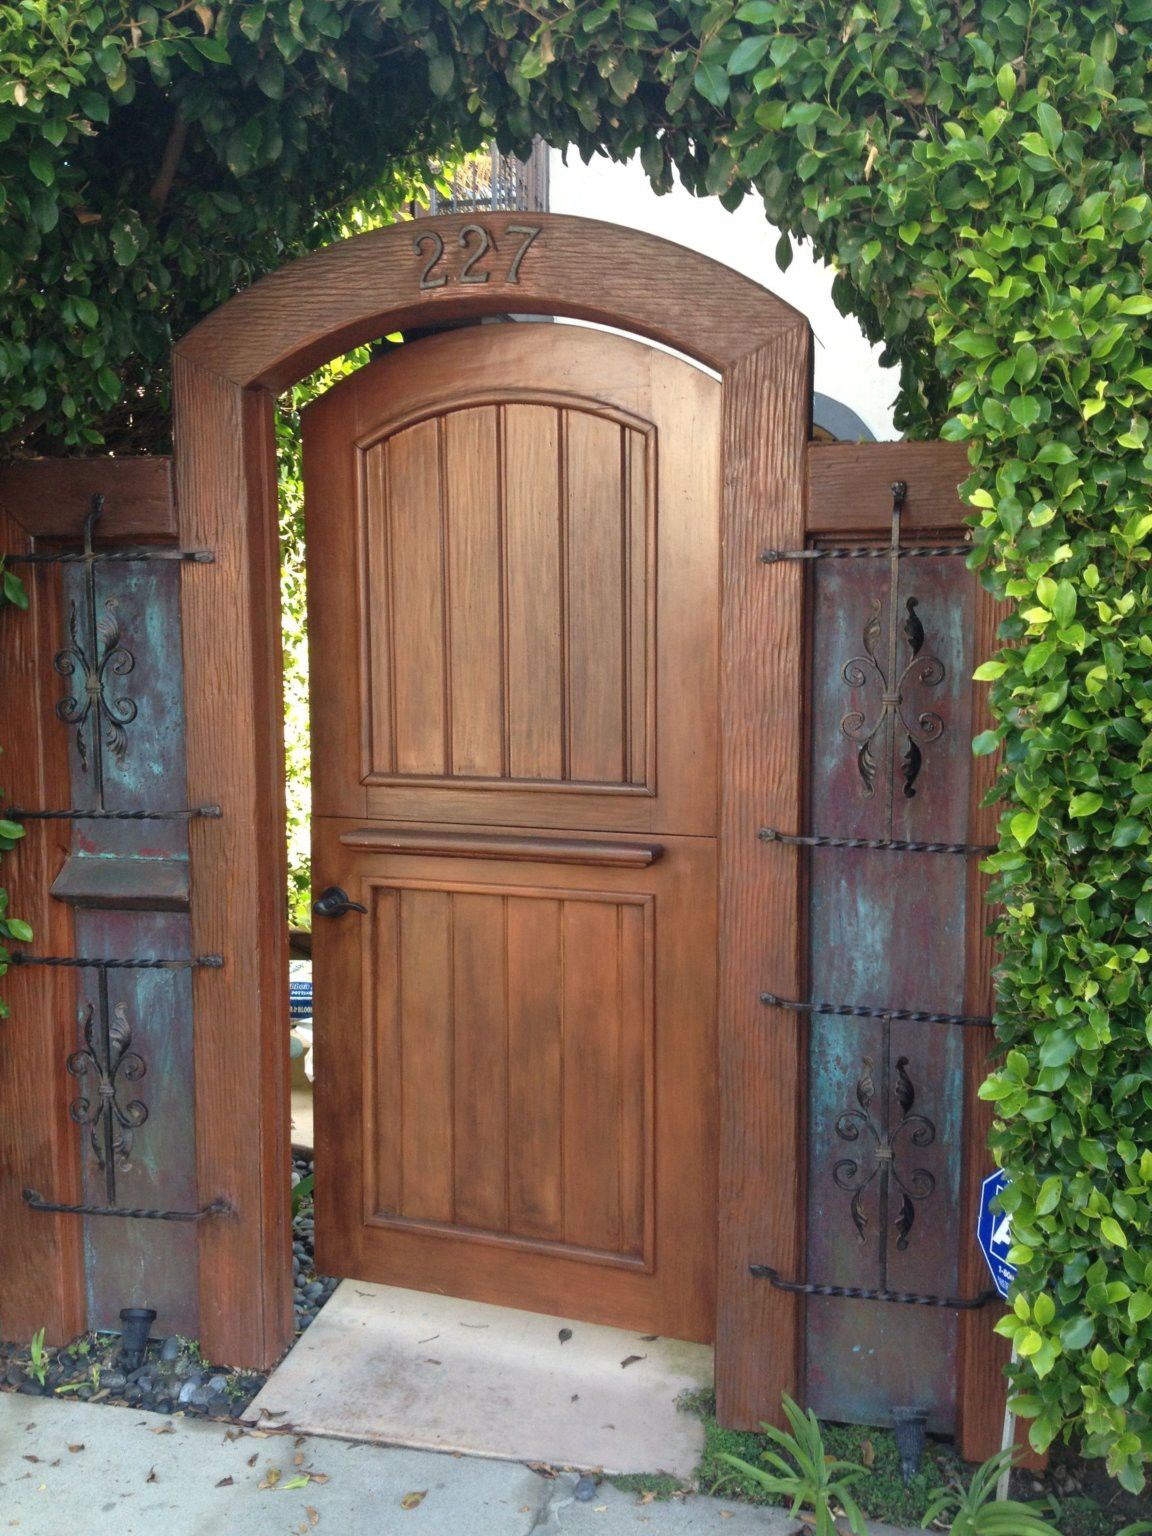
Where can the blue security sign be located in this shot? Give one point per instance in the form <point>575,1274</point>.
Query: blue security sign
<point>994,1232</point>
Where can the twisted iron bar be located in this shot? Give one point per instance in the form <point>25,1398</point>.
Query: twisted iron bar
<point>858,1293</point>
<point>211,962</point>
<point>854,1011</point>
<point>865,552</point>
<point>37,1202</point>
<point>18,813</point>
<point>886,844</point>
<point>116,556</point>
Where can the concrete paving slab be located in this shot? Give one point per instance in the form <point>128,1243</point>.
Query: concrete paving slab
<point>68,1467</point>
<point>407,1368</point>
<point>118,1472</point>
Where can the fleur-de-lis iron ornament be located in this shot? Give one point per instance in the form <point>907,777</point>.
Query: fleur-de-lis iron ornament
<point>922,667</point>
<point>851,1175</point>
<point>96,656</point>
<point>109,1058</point>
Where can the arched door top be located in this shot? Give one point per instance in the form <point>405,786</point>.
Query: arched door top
<point>429,272</point>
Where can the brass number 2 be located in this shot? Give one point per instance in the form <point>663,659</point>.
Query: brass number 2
<point>484,243</point>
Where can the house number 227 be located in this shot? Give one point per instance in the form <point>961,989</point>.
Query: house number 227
<point>478,246</point>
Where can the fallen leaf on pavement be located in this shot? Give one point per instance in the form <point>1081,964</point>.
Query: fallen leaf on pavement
<point>565,1335</point>
<point>163,1429</point>
<point>75,1448</point>
<point>295,1482</point>
<point>631,1360</point>
<point>412,1500</point>
<point>298,1459</point>
<point>151,1478</point>
<point>225,1482</point>
<point>271,1478</point>
<point>254,1458</point>
<point>313,1514</point>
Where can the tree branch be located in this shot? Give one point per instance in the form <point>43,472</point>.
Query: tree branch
<point>173,149</point>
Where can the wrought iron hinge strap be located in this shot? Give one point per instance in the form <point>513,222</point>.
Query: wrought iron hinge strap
<point>36,1202</point>
<point>115,556</point>
<point>887,844</point>
<point>857,1293</point>
<point>852,1011</point>
<point>210,962</point>
<point>18,813</point>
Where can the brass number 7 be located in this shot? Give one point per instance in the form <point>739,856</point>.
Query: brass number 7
<point>529,231</point>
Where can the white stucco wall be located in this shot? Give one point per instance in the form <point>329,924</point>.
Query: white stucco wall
<point>847,367</point>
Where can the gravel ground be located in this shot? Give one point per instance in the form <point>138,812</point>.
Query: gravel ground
<point>173,1376</point>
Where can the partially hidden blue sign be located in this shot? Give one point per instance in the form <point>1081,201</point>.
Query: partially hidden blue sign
<point>994,1232</point>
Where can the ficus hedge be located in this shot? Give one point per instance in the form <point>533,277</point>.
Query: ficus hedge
<point>976,172</point>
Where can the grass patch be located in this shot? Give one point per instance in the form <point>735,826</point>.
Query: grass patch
<point>658,1486</point>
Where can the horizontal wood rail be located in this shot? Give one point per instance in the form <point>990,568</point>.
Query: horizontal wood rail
<point>489,845</point>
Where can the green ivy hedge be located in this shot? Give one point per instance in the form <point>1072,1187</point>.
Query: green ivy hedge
<point>976,172</point>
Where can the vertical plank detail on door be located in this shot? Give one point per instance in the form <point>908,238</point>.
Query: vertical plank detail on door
<point>474,596</point>
<point>533,556</point>
<point>591,1076</point>
<point>596,606</point>
<point>427,1031</point>
<point>383,1077</point>
<point>480,1067</point>
<point>416,570</point>
<point>535,1068</point>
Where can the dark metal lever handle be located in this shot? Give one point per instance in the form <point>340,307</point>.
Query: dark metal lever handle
<point>334,902</point>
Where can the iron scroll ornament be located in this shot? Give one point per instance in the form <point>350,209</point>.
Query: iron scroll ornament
<point>849,1173</point>
<point>96,655</point>
<point>928,727</point>
<point>921,666</point>
<point>111,1061</point>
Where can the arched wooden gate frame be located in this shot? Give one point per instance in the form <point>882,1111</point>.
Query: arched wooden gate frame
<point>226,374</point>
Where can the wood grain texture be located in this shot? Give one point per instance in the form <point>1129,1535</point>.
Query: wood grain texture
<point>761,1051</point>
<point>850,487</point>
<point>230,613</point>
<point>41,1258</point>
<point>284,326</point>
<point>982,1354</point>
<point>224,373</point>
<point>50,498</point>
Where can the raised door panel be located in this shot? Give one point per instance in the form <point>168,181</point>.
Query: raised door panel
<point>515,1075</point>
<point>527,632</point>
<point>507,592</point>
<point>510,1030</point>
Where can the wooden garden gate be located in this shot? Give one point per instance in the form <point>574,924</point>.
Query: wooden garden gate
<point>756,665</point>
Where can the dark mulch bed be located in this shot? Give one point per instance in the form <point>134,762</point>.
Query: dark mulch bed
<point>174,1376</point>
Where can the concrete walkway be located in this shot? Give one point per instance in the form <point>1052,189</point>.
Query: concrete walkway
<point>105,1471</point>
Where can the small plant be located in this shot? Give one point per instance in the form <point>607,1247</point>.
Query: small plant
<point>94,1373</point>
<point>301,1192</point>
<point>37,1358</point>
<point>974,1510</point>
<point>814,1481</point>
